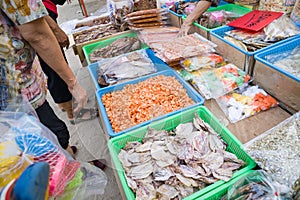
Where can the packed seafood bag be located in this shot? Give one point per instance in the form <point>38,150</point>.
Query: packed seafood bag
<point>277,151</point>
<point>181,156</point>
<point>24,140</point>
<point>257,185</point>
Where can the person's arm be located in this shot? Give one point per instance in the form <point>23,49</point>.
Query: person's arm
<point>201,7</point>
<point>42,39</point>
<point>60,35</point>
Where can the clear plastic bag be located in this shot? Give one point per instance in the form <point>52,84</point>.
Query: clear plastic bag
<point>201,61</point>
<point>24,140</point>
<point>127,66</point>
<point>220,81</point>
<point>277,150</point>
<point>287,60</point>
<point>281,28</point>
<point>258,185</point>
<point>245,102</point>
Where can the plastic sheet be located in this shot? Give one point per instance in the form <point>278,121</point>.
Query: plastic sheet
<point>127,66</point>
<point>277,150</point>
<point>288,60</point>
<point>295,15</point>
<point>24,140</point>
<point>257,185</point>
<point>183,47</point>
<point>220,81</point>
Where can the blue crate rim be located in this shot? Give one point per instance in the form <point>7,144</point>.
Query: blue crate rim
<point>242,50</point>
<point>155,60</point>
<point>101,92</point>
<point>263,53</point>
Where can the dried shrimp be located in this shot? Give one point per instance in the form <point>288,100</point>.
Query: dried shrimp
<point>140,102</point>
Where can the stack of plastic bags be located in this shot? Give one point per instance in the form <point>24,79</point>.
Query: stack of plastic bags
<point>24,141</point>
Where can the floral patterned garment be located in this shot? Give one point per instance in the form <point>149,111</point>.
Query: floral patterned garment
<point>20,70</point>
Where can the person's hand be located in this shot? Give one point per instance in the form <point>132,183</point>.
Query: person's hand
<point>185,27</point>
<point>62,38</point>
<point>79,95</point>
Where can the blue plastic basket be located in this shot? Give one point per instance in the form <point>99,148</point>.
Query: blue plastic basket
<point>195,96</point>
<point>220,33</point>
<point>287,46</point>
<point>159,64</point>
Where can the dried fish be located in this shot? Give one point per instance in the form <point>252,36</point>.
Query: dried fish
<point>141,171</point>
<point>189,182</point>
<point>175,163</point>
<point>145,191</point>
<point>144,147</point>
<point>222,174</point>
<point>215,143</point>
<point>187,171</point>
<point>184,130</point>
<point>123,157</point>
<point>213,160</point>
<point>167,191</point>
<point>162,174</point>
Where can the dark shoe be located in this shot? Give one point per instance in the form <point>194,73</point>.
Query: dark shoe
<point>100,163</point>
<point>93,113</point>
<point>74,149</point>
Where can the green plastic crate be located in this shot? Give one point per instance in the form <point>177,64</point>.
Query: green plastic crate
<point>169,123</point>
<point>219,192</point>
<point>88,49</point>
<point>227,7</point>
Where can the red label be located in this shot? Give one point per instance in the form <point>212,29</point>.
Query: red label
<point>255,20</point>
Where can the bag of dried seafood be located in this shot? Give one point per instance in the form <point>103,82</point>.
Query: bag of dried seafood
<point>285,6</point>
<point>257,185</point>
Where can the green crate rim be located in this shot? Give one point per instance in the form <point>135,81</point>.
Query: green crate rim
<point>120,171</point>
<point>89,48</point>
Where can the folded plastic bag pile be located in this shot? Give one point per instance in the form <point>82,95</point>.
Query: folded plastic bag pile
<point>24,140</point>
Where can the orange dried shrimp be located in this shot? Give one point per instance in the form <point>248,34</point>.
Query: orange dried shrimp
<point>140,102</point>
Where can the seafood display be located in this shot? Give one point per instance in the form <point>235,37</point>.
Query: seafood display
<point>125,66</point>
<point>287,61</point>
<point>139,102</point>
<point>94,33</point>
<point>175,164</point>
<point>144,5</point>
<point>119,10</point>
<point>147,18</point>
<point>277,151</point>
<point>245,102</point>
<point>94,22</point>
<point>116,48</point>
<point>217,82</point>
<point>216,18</point>
<point>257,185</point>
<point>183,47</point>
<point>152,35</point>
<point>277,5</point>
<point>279,29</point>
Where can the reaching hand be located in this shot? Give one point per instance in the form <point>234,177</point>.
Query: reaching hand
<point>79,95</point>
<point>62,38</point>
<point>185,27</point>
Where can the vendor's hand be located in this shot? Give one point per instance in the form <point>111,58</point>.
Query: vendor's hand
<point>79,95</point>
<point>185,27</point>
<point>62,38</point>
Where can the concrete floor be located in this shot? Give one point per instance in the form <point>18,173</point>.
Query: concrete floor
<point>87,136</point>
